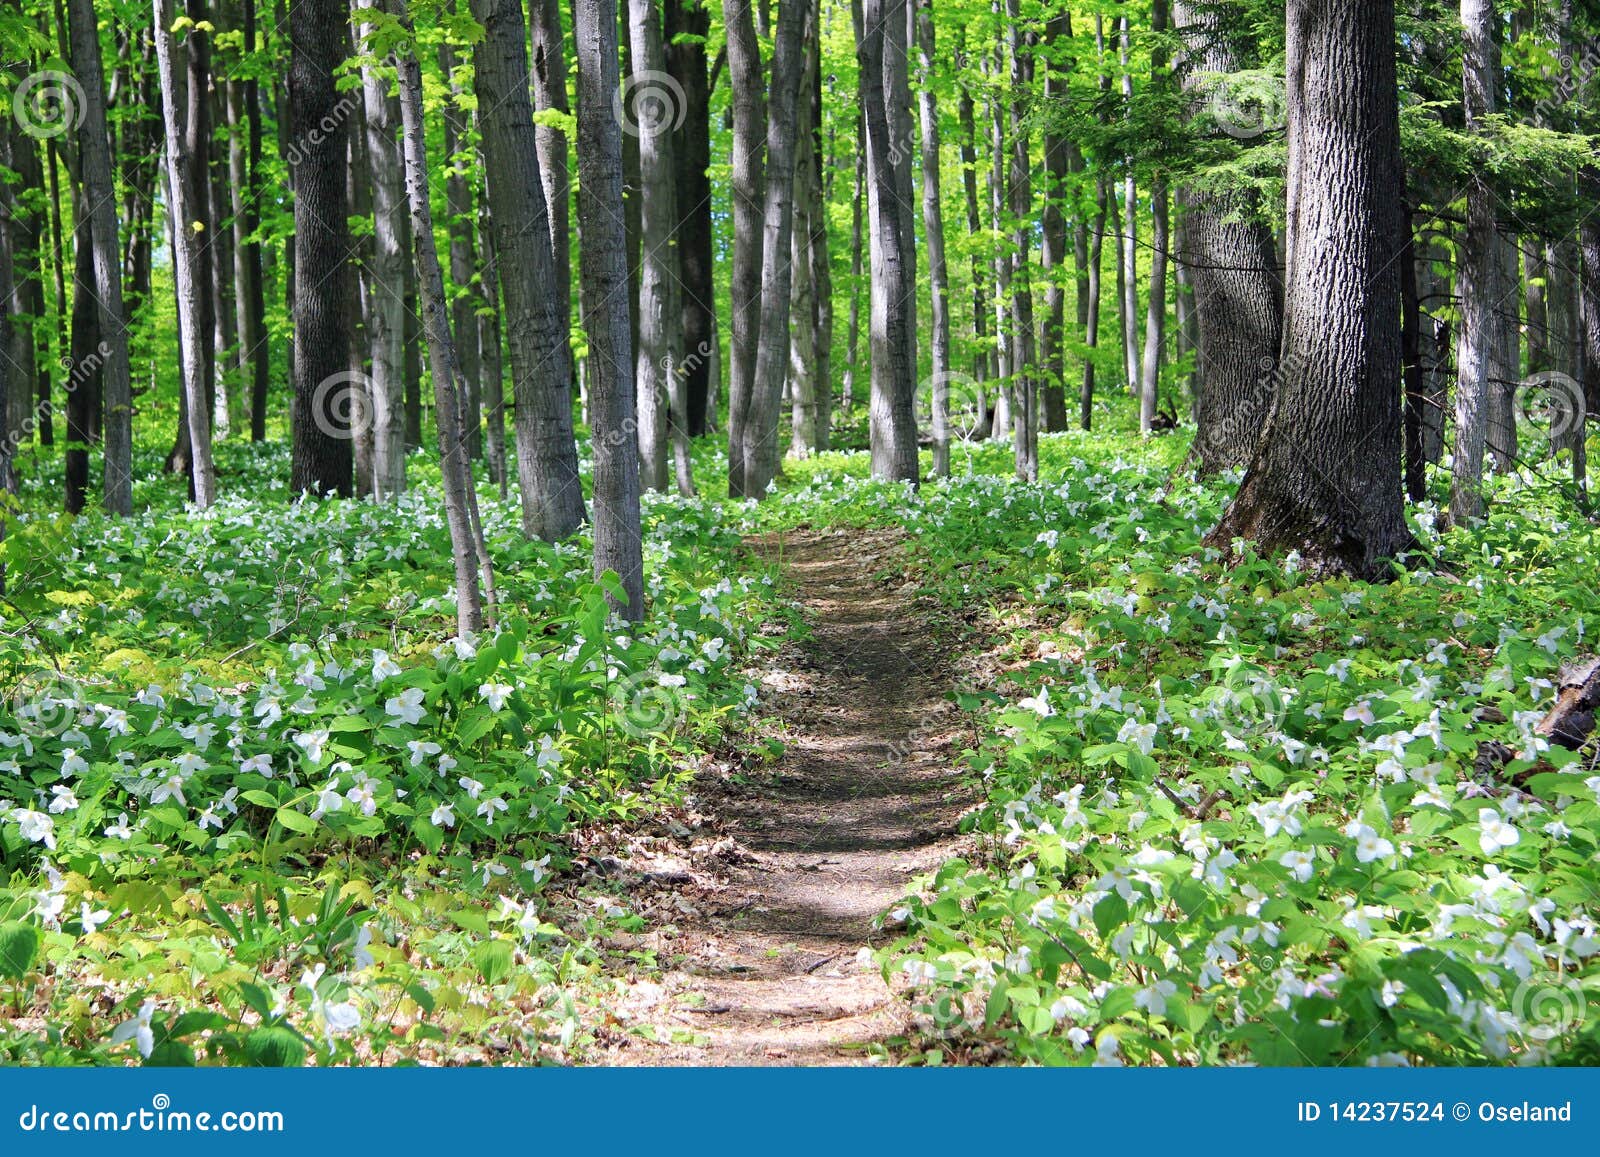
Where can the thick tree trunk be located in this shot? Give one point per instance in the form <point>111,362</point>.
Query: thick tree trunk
<point>1128,284</point>
<point>197,146</point>
<point>323,394</point>
<point>359,270</point>
<point>893,427</point>
<point>687,24</point>
<point>254,332</point>
<point>933,231</point>
<point>1230,255</point>
<point>386,333</point>
<point>604,288</point>
<point>1326,479</point>
<point>1155,322</point>
<point>983,359</point>
<point>852,341</point>
<point>1478,271</point>
<point>804,387</point>
<point>1000,427</point>
<point>188,270</point>
<point>534,300</point>
<point>745,275</point>
<point>759,444</point>
<point>1505,367</point>
<point>455,467</point>
<point>94,144</point>
<point>1024,373</point>
<point>490,352</point>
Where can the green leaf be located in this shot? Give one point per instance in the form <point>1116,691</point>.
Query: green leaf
<point>494,960</point>
<point>19,944</point>
<point>295,821</point>
<point>274,1047</point>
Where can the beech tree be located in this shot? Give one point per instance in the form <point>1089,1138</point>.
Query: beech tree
<point>618,546</point>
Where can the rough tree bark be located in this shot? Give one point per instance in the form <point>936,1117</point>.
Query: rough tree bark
<point>745,273</point>
<point>1155,322</point>
<point>604,289</point>
<point>95,159</point>
<point>1229,252</point>
<point>687,23</point>
<point>323,394</point>
<point>1326,479</point>
<point>533,299</point>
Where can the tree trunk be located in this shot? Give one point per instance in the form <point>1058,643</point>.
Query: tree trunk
<point>461,222</point>
<point>1478,271</point>
<point>534,301</point>
<point>1053,234</point>
<point>1024,373</point>
<point>455,467</point>
<point>886,90</point>
<point>100,196</point>
<point>188,268</point>
<point>323,394</point>
<point>1129,283</point>
<point>1000,427</point>
<point>983,359</point>
<point>687,24</point>
<point>491,358</point>
<point>933,230</point>
<point>759,445</point>
<point>386,331</point>
<point>745,274</point>
<point>604,289</point>
<point>804,387</point>
<point>650,118</point>
<point>1230,255</point>
<point>197,145</point>
<point>1326,479</point>
<point>254,333</point>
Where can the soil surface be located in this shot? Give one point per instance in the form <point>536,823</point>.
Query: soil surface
<point>766,968</point>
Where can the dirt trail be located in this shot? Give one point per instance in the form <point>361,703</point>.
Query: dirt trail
<point>863,798</point>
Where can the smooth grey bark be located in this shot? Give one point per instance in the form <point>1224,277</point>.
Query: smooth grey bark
<point>490,352</point>
<point>1478,275</point>
<point>550,95</point>
<point>188,270</point>
<point>100,193</point>
<point>1054,237</point>
<point>618,547</point>
<point>1129,252</point>
<point>320,418</point>
<point>659,357</point>
<point>461,226</point>
<point>1229,253</point>
<point>983,358</point>
<point>933,233</point>
<point>805,390</point>
<point>386,292</point>
<point>1000,260</point>
<point>759,442</point>
<point>1024,372</point>
<point>1506,358</point>
<point>197,144</point>
<point>881,54</point>
<point>1155,321</point>
<point>746,263</point>
<point>533,300</point>
<point>1325,480</point>
<point>460,496</point>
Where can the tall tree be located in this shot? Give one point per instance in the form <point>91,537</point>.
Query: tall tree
<point>94,144</point>
<point>534,301</point>
<point>1229,253</point>
<point>461,225</point>
<point>1478,273</point>
<point>460,497</point>
<point>618,546</point>
<point>1325,480</point>
<point>386,266</point>
<point>933,230</point>
<point>748,184</point>
<point>886,90</point>
<point>324,396</point>
<point>686,25</point>
<point>1156,303</point>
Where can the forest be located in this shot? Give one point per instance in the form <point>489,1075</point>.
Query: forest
<point>805,532</point>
